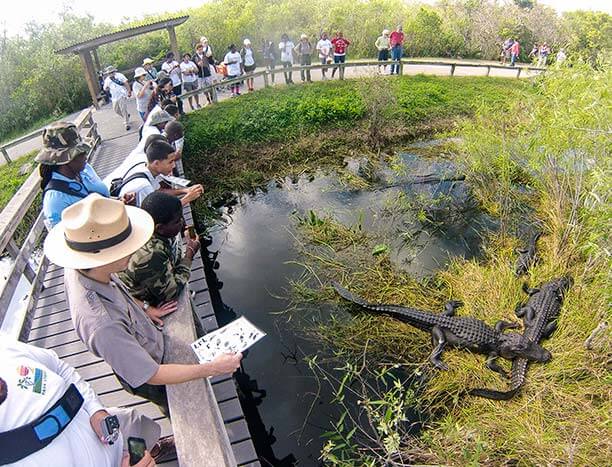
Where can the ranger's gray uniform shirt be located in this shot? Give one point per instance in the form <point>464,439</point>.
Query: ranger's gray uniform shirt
<point>114,327</point>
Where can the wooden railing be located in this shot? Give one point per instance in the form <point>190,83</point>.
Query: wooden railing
<point>10,219</point>
<point>266,74</point>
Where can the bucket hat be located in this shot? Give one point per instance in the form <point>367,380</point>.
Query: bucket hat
<point>246,42</point>
<point>147,61</point>
<point>61,144</point>
<point>160,116</point>
<point>303,36</point>
<point>140,71</point>
<point>109,69</point>
<point>97,231</point>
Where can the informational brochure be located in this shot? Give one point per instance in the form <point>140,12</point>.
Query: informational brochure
<point>235,337</point>
<point>176,181</point>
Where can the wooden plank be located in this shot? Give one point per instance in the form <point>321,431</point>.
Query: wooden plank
<point>225,390</point>
<point>106,384</point>
<point>72,348</point>
<point>231,410</point>
<point>52,328</point>
<point>50,342</point>
<point>244,452</point>
<point>81,360</point>
<point>51,290</point>
<point>119,398</point>
<point>52,300</point>
<point>52,281</point>
<point>55,331</point>
<point>195,414</point>
<point>40,321</point>
<point>238,431</point>
<point>50,310</point>
<point>197,275</point>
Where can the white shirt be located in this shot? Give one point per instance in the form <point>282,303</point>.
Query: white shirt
<point>324,47</point>
<point>117,91</point>
<point>174,71</point>
<point>249,59</point>
<point>189,71</point>
<point>286,49</point>
<point>141,102</point>
<point>233,61</point>
<point>143,187</point>
<point>36,378</point>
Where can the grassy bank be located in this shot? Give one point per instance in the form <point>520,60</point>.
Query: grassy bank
<point>243,143</point>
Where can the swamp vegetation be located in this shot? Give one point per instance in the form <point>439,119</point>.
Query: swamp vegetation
<point>536,156</point>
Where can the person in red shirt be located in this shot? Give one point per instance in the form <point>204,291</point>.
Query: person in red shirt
<point>396,40</point>
<point>515,50</point>
<point>340,45</point>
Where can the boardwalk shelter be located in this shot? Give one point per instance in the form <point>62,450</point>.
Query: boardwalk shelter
<point>88,50</point>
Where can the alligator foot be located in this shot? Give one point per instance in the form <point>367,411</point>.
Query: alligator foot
<point>439,340</point>
<point>450,308</point>
<point>501,326</point>
<point>528,290</point>
<point>494,366</point>
<point>549,329</point>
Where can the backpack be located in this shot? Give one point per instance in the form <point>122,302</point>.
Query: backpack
<point>118,183</point>
<point>65,187</point>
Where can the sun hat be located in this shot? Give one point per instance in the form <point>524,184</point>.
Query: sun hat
<point>247,42</point>
<point>303,36</point>
<point>147,61</point>
<point>61,144</point>
<point>109,69</point>
<point>160,116</point>
<point>385,32</point>
<point>97,231</point>
<point>140,71</point>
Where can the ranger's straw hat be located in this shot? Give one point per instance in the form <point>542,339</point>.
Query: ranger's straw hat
<point>140,71</point>
<point>97,231</point>
<point>147,61</point>
<point>61,144</point>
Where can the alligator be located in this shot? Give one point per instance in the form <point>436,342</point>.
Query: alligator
<point>460,331</point>
<point>539,316</point>
<point>527,256</point>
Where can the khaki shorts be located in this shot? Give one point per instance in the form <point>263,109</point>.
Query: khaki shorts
<point>190,86</point>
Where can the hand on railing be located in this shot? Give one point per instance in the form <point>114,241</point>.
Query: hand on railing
<point>156,313</point>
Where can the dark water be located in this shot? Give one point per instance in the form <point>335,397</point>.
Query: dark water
<point>286,409</point>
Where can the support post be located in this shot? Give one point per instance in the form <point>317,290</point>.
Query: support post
<point>90,76</point>
<point>213,91</point>
<point>452,70</point>
<point>401,66</point>
<point>518,73</point>
<point>173,43</point>
<point>488,70</point>
<point>94,52</point>
<point>5,154</point>
<point>266,79</point>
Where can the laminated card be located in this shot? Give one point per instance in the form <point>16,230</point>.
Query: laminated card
<point>235,337</point>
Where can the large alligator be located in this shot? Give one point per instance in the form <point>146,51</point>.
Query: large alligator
<point>527,256</point>
<point>460,331</point>
<point>539,315</point>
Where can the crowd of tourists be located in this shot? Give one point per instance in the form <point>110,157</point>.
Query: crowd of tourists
<point>511,49</point>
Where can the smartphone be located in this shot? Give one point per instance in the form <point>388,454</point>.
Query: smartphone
<point>136,449</point>
<point>192,232</point>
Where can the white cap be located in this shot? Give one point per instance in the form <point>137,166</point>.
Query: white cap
<point>303,36</point>
<point>385,31</point>
<point>140,71</point>
<point>246,42</point>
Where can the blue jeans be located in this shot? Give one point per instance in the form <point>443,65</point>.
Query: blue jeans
<point>513,59</point>
<point>396,55</point>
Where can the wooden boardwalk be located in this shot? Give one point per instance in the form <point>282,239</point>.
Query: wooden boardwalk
<point>52,327</point>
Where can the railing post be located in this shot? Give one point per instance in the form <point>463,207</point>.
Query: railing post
<point>265,77</point>
<point>5,154</point>
<point>452,70</point>
<point>401,66</point>
<point>488,70</point>
<point>215,98</point>
<point>518,73</point>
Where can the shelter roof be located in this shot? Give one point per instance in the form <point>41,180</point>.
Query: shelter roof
<point>122,34</point>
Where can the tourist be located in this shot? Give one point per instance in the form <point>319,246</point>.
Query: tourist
<point>383,44</point>
<point>247,54</point>
<point>207,49</point>
<point>324,47</point>
<point>269,54</point>
<point>155,124</point>
<point>159,271</point>
<point>49,415</point>
<point>189,72</point>
<point>147,64</point>
<point>534,55</point>
<point>204,64</point>
<point>173,69</point>
<point>304,52</point>
<point>142,89</point>
<point>94,242</point>
<point>561,56</point>
<point>233,60</point>
<point>515,50</point>
<point>396,41</point>
<point>162,92</point>
<point>145,179</point>
<point>66,177</point>
<point>340,45</point>
<point>506,53</point>
<point>119,88</point>
<point>286,47</point>
<point>544,53</point>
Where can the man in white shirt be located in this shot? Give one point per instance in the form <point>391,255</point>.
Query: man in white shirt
<point>233,60</point>
<point>34,382</point>
<point>324,47</point>
<point>119,88</point>
<point>172,68</point>
<point>189,70</point>
<point>286,47</point>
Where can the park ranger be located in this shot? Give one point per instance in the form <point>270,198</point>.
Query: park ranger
<point>94,242</point>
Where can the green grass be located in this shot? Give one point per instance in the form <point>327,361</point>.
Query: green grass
<point>11,180</point>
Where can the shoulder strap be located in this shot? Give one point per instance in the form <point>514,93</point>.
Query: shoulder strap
<point>65,187</point>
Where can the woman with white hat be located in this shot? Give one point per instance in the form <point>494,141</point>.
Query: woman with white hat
<point>147,64</point>
<point>142,89</point>
<point>248,60</point>
<point>304,51</point>
<point>383,44</point>
<point>94,241</point>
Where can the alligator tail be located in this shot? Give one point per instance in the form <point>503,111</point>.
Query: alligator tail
<point>344,293</point>
<point>496,395</point>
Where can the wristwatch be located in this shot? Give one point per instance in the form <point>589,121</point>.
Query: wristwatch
<point>145,305</point>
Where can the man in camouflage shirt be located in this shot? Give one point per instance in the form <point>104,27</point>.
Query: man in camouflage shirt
<point>158,272</point>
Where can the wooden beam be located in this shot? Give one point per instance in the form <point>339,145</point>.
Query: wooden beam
<point>173,43</point>
<point>90,76</point>
<point>94,52</point>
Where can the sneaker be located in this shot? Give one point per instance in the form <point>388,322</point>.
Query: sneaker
<point>164,450</point>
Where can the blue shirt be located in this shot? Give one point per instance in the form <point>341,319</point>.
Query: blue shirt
<point>55,201</point>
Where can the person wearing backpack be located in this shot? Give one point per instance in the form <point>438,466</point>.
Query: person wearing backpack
<point>117,85</point>
<point>66,177</point>
<point>143,180</point>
